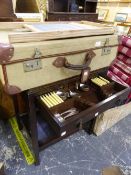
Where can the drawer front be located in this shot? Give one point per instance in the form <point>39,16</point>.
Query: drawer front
<point>113,101</point>
<point>89,114</point>
<point>59,128</point>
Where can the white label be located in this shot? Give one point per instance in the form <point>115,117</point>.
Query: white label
<point>96,114</point>
<point>98,44</point>
<point>63,133</point>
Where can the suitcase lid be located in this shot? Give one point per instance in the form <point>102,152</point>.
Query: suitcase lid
<point>35,32</point>
<point>51,35</point>
<point>54,34</point>
<point>50,45</point>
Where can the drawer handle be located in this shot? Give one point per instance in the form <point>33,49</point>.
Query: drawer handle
<point>63,62</point>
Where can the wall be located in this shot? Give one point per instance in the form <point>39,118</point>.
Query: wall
<point>115,7</point>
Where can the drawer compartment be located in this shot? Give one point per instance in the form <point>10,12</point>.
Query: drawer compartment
<point>78,103</point>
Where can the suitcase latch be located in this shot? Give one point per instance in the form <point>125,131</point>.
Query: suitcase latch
<point>37,53</point>
<point>32,65</point>
<point>107,49</point>
<point>35,64</point>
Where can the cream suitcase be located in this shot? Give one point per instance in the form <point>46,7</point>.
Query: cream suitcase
<point>28,51</point>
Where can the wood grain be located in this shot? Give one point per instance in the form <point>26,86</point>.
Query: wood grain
<point>77,30</point>
<point>41,36</point>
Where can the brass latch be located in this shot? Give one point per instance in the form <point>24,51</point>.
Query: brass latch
<point>107,49</point>
<point>37,53</point>
<point>34,64</point>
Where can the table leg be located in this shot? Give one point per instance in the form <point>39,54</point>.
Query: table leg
<point>2,169</point>
<point>16,106</point>
<point>33,127</point>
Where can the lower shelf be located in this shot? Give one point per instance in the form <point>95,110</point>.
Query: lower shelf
<point>46,135</point>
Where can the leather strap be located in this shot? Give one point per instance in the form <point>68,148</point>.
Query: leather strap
<point>85,75</point>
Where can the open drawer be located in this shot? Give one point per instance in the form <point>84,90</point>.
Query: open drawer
<point>79,103</point>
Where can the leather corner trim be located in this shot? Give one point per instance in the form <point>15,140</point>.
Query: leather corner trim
<point>6,52</point>
<point>12,90</point>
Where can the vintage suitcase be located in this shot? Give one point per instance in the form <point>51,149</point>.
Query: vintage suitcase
<point>28,53</point>
<point>45,58</point>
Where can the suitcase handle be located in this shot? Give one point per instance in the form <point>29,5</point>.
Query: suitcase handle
<point>63,62</point>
